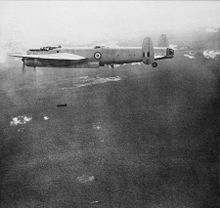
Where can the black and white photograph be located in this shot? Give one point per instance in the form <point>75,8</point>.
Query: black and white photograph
<point>109,104</point>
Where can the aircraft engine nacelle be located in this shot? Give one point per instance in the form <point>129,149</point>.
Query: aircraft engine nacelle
<point>59,63</point>
<point>31,62</point>
<point>147,51</point>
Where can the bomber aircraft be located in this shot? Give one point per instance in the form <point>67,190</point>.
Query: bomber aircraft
<point>95,57</point>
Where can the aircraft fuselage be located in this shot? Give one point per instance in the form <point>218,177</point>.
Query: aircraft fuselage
<point>95,57</point>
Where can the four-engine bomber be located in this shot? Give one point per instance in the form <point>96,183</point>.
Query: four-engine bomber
<point>95,57</point>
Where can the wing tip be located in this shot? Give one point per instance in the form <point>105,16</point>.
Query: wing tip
<point>15,55</point>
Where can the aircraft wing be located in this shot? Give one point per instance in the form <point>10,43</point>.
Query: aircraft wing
<point>55,56</point>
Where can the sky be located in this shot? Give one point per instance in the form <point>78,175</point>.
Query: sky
<point>33,24</point>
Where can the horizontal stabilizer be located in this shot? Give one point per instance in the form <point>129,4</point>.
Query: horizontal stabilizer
<point>163,53</point>
<point>159,57</point>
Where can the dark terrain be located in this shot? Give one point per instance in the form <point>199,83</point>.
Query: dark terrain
<point>149,140</point>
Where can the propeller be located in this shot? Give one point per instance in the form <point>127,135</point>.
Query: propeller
<point>23,67</point>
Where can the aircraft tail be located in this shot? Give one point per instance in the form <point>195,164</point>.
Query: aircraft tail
<point>148,51</point>
<point>163,41</point>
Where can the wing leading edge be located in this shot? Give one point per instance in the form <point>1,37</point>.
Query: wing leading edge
<point>55,56</point>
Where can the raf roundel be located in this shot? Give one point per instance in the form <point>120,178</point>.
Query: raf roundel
<point>98,55</point>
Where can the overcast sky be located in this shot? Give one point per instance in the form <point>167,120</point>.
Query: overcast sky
<point>37,23</point>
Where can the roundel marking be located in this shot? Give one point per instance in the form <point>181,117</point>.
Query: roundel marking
<point>97,55</point>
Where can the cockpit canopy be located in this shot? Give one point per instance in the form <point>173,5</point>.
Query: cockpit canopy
<point>46,48</point>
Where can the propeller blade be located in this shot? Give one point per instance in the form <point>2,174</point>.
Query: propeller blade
<point>23,68</point>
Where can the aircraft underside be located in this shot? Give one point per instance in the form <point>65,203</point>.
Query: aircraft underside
<point>59,63</point>
<point>72,64</point>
